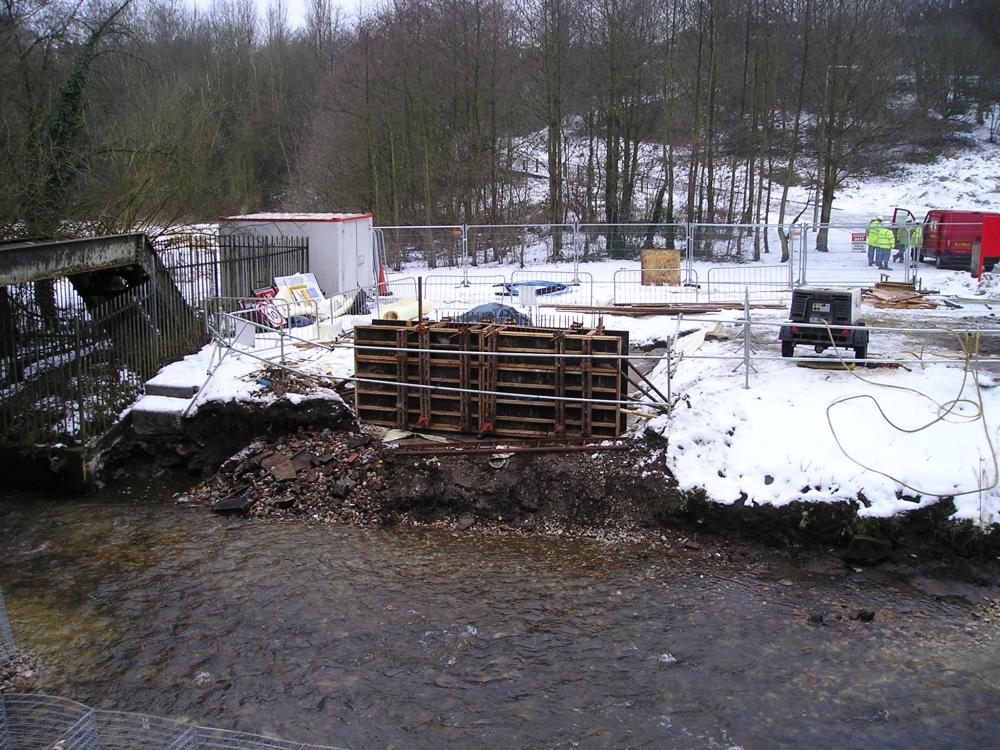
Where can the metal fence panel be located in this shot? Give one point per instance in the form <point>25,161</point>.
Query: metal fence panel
<point>7,648</point>
<point>80,736</point>
<point>836,255</point>
<point>67,377</point>
<point>454,294</point>
<point>570,287</point>
<point>629,288</point>
<point>205,266</point>
<point>193,263</point>
<point>524,244</point>
<point>732,283</point>
<point>735,243</point>
<point>626,241</point>
<point>428,246</point>
<point>4,729</point>
<point>40,721</point>
<point>128,731</point>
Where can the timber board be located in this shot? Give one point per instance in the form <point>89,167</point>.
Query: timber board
<point>450,359</point>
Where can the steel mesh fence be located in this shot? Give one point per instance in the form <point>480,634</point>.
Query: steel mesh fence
<point>758,282</point>
<point>7,648</point>
<point>454,293</point>
<point>43,722</point>
<point>523,244</point>
<point>563,287</point>
<point>626,241</point>
<point>734,243</point>
<point>633,286</point>
<point>428,246</point>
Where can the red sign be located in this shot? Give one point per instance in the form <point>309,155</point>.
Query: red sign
<point>267,307</point>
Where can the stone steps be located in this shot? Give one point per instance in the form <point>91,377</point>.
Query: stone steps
<point>159,415</point>
<point>171,390</point>
<point>168,396</point>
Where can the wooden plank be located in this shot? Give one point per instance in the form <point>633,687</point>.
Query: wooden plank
<point>501,368</point>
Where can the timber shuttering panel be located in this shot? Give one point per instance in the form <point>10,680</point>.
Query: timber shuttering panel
<point>485,378</point>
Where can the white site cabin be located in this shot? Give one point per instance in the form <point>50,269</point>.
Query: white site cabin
<point>341,254</point>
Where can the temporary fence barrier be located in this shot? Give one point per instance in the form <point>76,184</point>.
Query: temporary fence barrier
<point>631,286</point>
<point>760,282</point>
<point>459,293</point>
<point>254,322</point>
<point>43,722</point>
<point>429,246</point>
<point>815,254</point>
<point>734,243</point>
<point>626,241</point>
<point>569,287</point>
<point>507,244</point>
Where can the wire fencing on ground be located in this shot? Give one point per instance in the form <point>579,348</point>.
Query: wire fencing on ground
<point>7,648</point>
<point>43,722</point>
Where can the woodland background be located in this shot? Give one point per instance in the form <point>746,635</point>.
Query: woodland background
<point>146,113</point>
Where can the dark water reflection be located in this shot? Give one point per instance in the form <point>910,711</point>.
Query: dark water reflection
<point>411,639</point>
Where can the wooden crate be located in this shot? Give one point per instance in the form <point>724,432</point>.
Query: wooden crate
<point>660,267</point>
<point>385,393</point>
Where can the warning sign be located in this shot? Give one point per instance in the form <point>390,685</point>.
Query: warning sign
<point>859,242</point>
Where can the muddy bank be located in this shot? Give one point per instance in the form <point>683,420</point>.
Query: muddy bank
<point>345,477</point>
<point>308,459</point>
<point>625,496</point>
<point>210,436</point>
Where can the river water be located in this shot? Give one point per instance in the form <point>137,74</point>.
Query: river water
<point>424,639</point>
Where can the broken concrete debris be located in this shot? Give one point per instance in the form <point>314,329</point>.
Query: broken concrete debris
<point>307,473</point>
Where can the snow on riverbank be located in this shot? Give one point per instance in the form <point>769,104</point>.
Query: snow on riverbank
<point>891,440</point>
<point>871,436</point>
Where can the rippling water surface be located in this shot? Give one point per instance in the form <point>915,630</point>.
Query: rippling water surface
<point>420,639</point>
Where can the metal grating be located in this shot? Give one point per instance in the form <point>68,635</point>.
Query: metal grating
<point>7,648</point>
<point>43,722</point>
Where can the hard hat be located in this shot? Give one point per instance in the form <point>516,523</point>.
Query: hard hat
<point>909,219</point>
<point>877,218</point>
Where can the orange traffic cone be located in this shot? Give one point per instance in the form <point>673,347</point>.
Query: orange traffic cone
<point>383,285</point>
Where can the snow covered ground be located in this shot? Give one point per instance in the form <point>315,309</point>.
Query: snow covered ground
<point>889,439</point>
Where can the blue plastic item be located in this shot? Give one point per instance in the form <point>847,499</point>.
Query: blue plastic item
<point>542,288</point>
<point>494,312</point>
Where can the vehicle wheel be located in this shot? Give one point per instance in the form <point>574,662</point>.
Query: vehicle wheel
<point>988,265</point>
<point>787,348</point>
<point>861,352</point>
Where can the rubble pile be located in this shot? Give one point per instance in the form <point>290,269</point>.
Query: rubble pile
<point>280,381</point>
<point>354,478</point>
<point>327,476</point>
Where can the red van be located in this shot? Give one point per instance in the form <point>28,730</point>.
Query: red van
<point>949,236</point>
